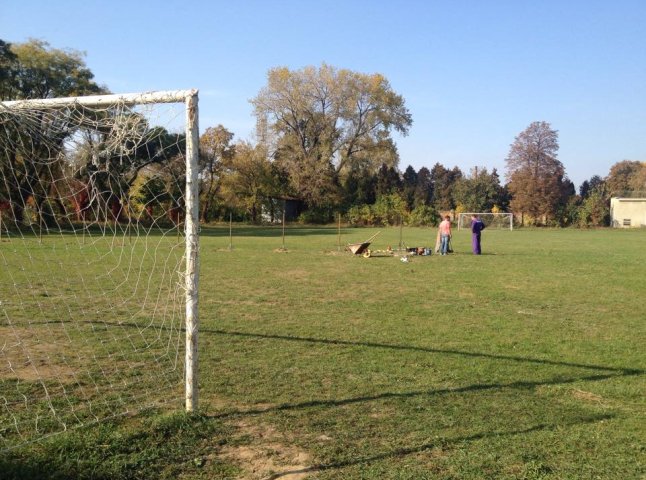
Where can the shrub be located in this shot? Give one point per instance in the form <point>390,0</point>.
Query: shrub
<point>422,216</point>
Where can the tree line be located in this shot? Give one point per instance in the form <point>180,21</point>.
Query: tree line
<point>324,145</point>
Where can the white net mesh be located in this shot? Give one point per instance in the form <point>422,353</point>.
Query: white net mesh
<point>91,264</point>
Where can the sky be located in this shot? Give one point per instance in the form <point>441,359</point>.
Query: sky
<point>474,73</point>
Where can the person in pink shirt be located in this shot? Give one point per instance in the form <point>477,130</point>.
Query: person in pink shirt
<point>445,235</point>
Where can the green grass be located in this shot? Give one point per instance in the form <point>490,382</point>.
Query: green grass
<point>524,363</point>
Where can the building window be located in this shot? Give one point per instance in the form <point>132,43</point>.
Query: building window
<point>626,222</point>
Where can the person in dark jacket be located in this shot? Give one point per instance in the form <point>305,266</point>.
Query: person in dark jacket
<point>477,226</point>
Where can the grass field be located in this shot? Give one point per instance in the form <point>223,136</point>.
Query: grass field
<point>524,363</point>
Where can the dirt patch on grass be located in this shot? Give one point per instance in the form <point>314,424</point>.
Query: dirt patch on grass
<point>265,454</point>
<point>586,396</point>
<point>53,352</point>
<point>339,253</point>
<point>24,356</point>
<point>294,274</point>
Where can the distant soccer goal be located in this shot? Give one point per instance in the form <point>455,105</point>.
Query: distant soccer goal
<point>98,259</point>
<point>502,221</point>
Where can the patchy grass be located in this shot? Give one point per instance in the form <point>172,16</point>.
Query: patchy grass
<point>525,362</point>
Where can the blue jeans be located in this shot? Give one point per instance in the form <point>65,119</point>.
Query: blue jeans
<point>444,245</point>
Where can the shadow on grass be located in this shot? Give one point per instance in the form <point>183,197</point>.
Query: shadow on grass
<point>160,446</point>
<point>519,385</point>
<point>621,371</point>
<point>597,373</point>
<point>400,452</point>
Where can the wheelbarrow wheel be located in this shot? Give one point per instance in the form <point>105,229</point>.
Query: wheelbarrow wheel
<point>367,253</point>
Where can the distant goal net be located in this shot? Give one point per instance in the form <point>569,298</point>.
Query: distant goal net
<point>501,221</point>
<point>98,259</point>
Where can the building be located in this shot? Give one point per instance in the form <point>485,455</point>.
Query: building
<point>627,212</point>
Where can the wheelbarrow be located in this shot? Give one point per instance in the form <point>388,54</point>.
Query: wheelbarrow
<point>361,248</point>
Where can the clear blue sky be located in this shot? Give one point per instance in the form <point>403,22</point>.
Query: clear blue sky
<point>474,74</point>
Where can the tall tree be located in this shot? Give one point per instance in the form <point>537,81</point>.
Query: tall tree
<point>409,185</point>
<point>248,181</point>
<point>359,188</point>
<point>327,120</point>
<point>593,183</point>
<point>423,189</point>
<point>388,180</point>
<point>535,173</point>
<point>215,152</point>
<point>443,182</point>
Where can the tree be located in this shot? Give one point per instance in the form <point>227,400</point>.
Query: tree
<point>327,120</point>
<point>638,181</point>
<point>215,152</point>
<point>423,189</point>
<point>33,70</point>
<point>626,176</point>
<point>44,72</point>
<point>479,191</point>
<point>8,69</point>
<point>388,180</point>
<point>248,180</point>
<point>409,185</point>
<point>389,209</point>
<point>312,180</point>
<point>588,185</point>
<point>114,172</point>
<point>359,188</point>
<point>594,210</point>
<point>443,182</point>
<point>536,175</point>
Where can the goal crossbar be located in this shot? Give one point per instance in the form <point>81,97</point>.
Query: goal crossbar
<point>144,98</point>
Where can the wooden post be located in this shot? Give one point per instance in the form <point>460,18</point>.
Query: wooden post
<point>339,235</point>
<point>284,206</point>
<point>230,231</point>
<point>191,226</point>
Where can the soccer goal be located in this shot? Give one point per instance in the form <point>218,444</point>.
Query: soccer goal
<point>502,221</point>
<point>98,259</point>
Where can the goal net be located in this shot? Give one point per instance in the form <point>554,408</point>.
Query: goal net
<point>98,259</point>
<point>502,221</point>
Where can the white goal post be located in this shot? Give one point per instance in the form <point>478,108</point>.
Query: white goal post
<point>502,221</point>
<point>99,264</point>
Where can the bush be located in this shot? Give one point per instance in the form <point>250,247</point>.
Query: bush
<point>423,216</point>
<point>389,210</point>
<point>316,216</point>
<point>594,211</point>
